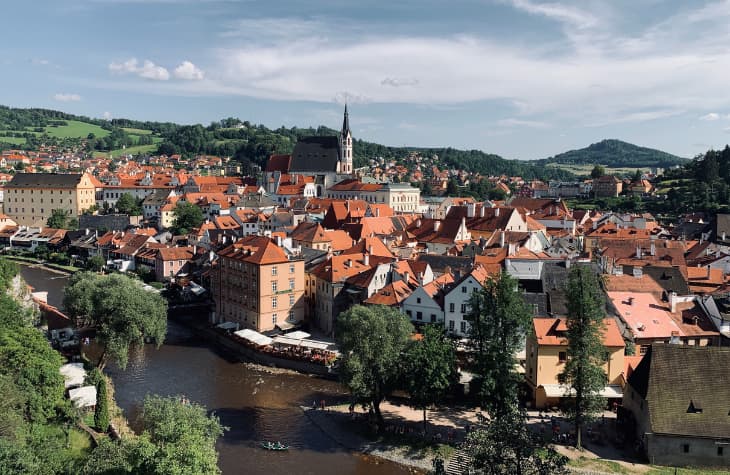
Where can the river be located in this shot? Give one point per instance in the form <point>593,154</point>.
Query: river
<point>253,403</point>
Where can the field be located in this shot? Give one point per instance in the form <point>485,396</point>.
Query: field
<point>76,129</point>
<point>130,150</point>
<point>13,140</point>
<point>585,170</point>
<point>132,131</point>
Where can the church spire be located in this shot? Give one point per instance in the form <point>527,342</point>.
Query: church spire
<point>346,123</point>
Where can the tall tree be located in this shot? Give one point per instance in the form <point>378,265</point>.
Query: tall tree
<point>583,372</point>
<point>597,172</point>
<point>60,219</point>
<point>128,204</point>
<point>101,411</point>
<point>123,313</point>
<point>186,217</point>
<point>372,341</point>
<point>430,368</point>
<point>507,445</point>
<point>499,319</point>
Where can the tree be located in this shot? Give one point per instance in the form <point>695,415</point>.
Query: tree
<point>583,372</point>
<point>452,188</point>
<point>186,217</point>
<point>123,313</point>
<point>499,320</point>
<point>60,219</point>
<point>430,368</point>
<point>372,341</point>
<point>127,204</point>
<point>597,172</point>
<point>95,263</point>
<point>101,412</point>
<point>507,445</point>
<point>184,436</point>
<point>637,176</point>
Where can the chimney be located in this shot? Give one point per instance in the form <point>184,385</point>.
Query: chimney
<point>638,251</point>
<point>470,210</point>
<point>709,269</point>
<point>481,211</point>
<point>436,225</point>
<point>407,277</point>
<point>377,212</point>
<point>673,301</point>
<point>366,259</point>
<point>496,211</point>
<point>420,278</point>
<point>370,249</point>
<point>348,263</point>
<point>418,223</point>
<point>653,249</point>
<point>631,300</point>
<point>501,239</point>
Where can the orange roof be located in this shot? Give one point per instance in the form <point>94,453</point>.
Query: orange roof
<point>255,249</point>
<point>372,245</point>
<point>175,253</point>
<point>340,240</point>
<point>552,332</point>
<point>391,295</point>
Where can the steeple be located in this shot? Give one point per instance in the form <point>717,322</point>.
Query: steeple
<point>345,165</point>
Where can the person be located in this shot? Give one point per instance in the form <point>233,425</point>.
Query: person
<point>321,403</point>
<point>314,404</point>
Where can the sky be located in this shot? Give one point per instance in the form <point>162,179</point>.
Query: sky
<point>525,79</point>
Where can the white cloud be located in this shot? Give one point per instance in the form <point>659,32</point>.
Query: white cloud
<point>147,70</point>
<point>556,11</point>
<point>711,116</point>
<point>399,82</point>
<point>107,115</point>
<point>512,122</point>
<point>66,97</point>
<point>189,71</point>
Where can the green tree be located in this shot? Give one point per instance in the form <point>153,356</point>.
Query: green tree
<point>95,263</point>
<point>430,368</point>
<point>60,219</point>
<point>499,319</point>
<point>597,172</point>
<point>127,204</point>
<point>123,313</point>
<point>120,457</point>
<point>452,188</point>
<point>583,372</point>
<point>186,217</point>
<point>372,341</point>
<point>101,412</point>
<point>507,445</point>
<point>184,436</point>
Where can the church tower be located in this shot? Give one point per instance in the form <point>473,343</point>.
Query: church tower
<point>346,146</point>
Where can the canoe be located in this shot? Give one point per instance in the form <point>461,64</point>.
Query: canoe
<point>274,446</point>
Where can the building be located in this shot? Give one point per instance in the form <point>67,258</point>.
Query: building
<point>607,186</point>
<point>676,405</point>
<point>258,285</point>
<point>547,352</point>
<point>30,198</point>
<point>401,197</point>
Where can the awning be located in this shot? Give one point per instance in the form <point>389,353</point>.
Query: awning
<point>284,326</point>
<point>612,391</point>
<point>285,340</point>
<point>227,326</point>
<point>298,335</point>
<point>83,397</point>
<point>73,374</point>
<point>254,337</point>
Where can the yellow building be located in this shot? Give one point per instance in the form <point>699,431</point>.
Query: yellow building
<point>257,285</point>
<point>30,198</point>
<point>546,355</point>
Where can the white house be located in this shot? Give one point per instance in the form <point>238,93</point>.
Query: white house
<point>424,305</point>
<point>456,300</point>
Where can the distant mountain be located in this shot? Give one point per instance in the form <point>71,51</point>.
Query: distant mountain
<point>615,154</point>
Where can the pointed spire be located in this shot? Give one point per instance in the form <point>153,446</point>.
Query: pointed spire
<point>346,123</point>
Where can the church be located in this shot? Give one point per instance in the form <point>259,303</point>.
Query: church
<point>326,158</point>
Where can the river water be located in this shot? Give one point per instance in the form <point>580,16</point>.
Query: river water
<point>253,403</point>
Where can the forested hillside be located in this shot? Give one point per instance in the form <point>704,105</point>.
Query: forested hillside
<point>616,154</point>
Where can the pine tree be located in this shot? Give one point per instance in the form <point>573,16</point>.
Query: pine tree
<point>101,413</point>
<point>583,372</point>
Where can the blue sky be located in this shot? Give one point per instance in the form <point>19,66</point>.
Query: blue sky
<point>522,78</point>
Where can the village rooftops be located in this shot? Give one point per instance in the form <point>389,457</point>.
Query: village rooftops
<point>553,332</point>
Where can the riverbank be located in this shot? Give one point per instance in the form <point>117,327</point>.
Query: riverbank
<point>50,267</point>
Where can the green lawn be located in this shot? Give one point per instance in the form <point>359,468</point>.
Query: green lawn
<point>76,129</point>
<point>133,150</point>
<point>132,131</point>
<point>13,140</point>
<point>586,169</point>
<point>657,470</point>
<point>79,444</point>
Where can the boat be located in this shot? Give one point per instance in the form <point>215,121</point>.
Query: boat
<point>274,446</point>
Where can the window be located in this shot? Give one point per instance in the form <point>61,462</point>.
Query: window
<point>451,325</point>
<point>463,308</point>
<point>719,451</point>
<point>291,284</point>
<point>451,307</point>
<point>562,356</point>
<point>274,286</point>
<point>291,299</point>
<point>410,315</point>
<point>274,302</point>
<point>290,317</point>
<point>685,448</point>
<point>463,289</point>
<point>419,315</point>
<point>273,318</point>
<point>273,270</point>
<point>463,327</point>
<point>418,300</point>
<point>291,268</point>
<point>433,318</point>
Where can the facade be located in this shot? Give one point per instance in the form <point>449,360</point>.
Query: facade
<point>401,197</point>
<point>30,198</point>
<point>546,353</point>
<point>607,187</point>
<point>257,285</point>
<point>456,301</point>
<point>676,406</point>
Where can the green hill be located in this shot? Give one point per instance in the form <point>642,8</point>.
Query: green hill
<point>248,143</point>
<point>613,153</point>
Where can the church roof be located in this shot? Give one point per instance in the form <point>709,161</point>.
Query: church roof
<point>316,154</point>
<point>346,123</point>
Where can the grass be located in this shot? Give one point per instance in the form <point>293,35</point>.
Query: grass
<point>586,169</point>
<point>79,444</point>
<point>129,150</point>
<point>13,140</point>
<point>657,470</point>
<point>74,128</point>
<point>599,465</point>
<point>132,131</point>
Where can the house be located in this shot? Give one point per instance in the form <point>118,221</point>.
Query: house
<point>456,301</point>
<point>172,261</point>
<point>547,352</point>
<point>425,303</point>
<point>676,405</point>
<point>607,186</point>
